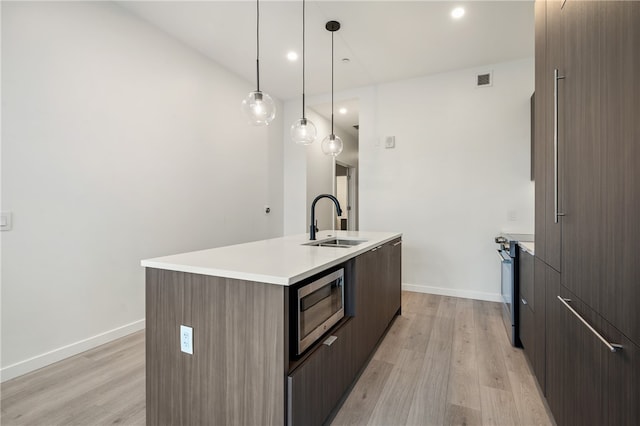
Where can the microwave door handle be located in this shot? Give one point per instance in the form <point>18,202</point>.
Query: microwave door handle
<point>329,340</point>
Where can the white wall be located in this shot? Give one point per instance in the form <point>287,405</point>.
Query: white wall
<point>460,169</point>
<point>296,218</point>
<point>309,172</point>
<point>118,144</point>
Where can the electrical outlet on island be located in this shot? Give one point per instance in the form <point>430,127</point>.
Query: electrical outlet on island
<point>186,339</point>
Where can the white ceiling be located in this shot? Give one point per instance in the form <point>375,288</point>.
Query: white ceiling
<point>343,121</point>
<point>384,40</point>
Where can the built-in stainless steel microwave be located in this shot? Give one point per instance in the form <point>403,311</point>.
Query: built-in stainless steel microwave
<point>320,305</point>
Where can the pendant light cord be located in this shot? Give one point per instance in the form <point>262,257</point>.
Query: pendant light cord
<point>332,83</point>
<point>303,59</point>
<point>258,44</point>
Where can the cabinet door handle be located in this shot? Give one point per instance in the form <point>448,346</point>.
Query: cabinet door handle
<point>556,78</point>
<point>329,340</point>
<point>613,347</point>
<point>397,243</point>
<point>524,302</point>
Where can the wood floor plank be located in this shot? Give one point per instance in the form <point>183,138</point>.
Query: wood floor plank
<point>81,389</point>
<point>359,405</point>
<point>397,395</point>
<point>462,416</point>
<point>491,366</point>
<point>514,359</point>
<point>429,401</point>
<point>396,337</point>
<point>418,333</point>
<point>498,407</point>
<point>464,385</point>
<point>531,410</point>
<point>420,303</point>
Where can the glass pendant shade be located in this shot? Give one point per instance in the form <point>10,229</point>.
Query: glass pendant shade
<point>303,132</point>
<point>259,108</point>
<point>332,145</point>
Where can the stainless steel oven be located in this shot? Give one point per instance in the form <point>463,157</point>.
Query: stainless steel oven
<point>507,253</point>
<point>319,306</point>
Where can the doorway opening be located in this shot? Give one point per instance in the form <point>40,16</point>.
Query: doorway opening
<point>345,191</point>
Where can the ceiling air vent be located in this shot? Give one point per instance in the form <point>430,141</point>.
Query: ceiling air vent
<point>484,80</point>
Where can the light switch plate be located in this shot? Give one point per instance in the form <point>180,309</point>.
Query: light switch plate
<point>186,339</point>
<point>6,221</point>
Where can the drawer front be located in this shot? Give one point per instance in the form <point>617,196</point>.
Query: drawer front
<point>527,331</point>
<point>316,386</point>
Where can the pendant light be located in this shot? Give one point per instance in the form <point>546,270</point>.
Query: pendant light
<point>332,144</point>
<point>258,106</point>
<point>303,131</point>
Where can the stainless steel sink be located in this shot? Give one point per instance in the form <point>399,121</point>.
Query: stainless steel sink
<point>336,242</point>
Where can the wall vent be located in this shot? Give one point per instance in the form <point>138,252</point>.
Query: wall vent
<point>484,79</point>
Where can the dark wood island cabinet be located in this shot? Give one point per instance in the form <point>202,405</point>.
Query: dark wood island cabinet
<point>243,369</point>
<point>587,148</point>
<point>330,370</point>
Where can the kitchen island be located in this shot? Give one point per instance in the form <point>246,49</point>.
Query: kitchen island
<point>237,301</point>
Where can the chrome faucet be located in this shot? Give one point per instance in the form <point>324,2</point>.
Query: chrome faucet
<point>314,228</point>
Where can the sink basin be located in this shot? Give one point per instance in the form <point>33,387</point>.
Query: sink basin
<point>336,242</point>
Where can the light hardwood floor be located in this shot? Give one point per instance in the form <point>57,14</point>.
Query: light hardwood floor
<point>99,387</point>
<point>444,361</point>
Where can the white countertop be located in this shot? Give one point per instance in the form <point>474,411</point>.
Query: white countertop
<point>527,246</point>
<point>282,261</point>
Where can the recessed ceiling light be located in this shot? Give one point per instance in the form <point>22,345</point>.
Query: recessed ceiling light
<point>457,13</point>
<point>292,56</point>
<point>342,110</point>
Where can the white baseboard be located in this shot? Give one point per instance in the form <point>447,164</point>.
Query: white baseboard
<point>466,294</point>
<point>19,368</point>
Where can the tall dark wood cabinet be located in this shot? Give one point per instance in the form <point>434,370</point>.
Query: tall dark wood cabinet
<point>574,373</point>
<point>621,378</point>
<point>587,149</point>
<point>620,131</point>
<point>550,53</point>
<point>539,132</point>
<point>581,142</point>
<point>540,321</point>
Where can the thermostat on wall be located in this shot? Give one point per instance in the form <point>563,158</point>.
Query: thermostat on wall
<point>390,142</point>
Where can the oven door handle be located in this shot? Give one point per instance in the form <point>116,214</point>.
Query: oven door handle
<point>503,257</point>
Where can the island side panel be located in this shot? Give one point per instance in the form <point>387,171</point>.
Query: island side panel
<point>235,375</point>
